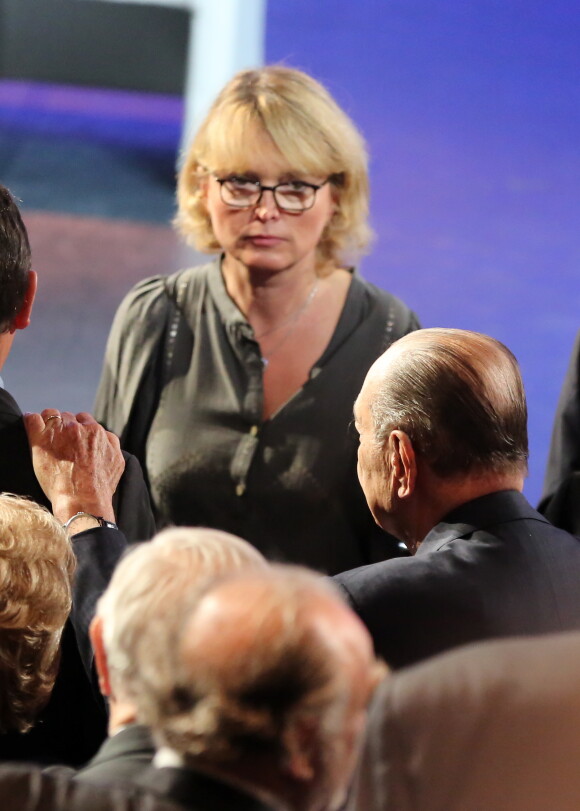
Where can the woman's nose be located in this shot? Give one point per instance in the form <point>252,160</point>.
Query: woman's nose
<point>267,208</point>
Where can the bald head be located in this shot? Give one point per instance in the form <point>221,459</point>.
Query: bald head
<point>264,661</point>
<point>459,397</point>
<point>286,633</point>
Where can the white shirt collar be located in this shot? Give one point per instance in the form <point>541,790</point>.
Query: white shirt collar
<point>166,757</point>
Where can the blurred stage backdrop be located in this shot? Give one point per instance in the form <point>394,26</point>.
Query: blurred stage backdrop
<point>472,116</point>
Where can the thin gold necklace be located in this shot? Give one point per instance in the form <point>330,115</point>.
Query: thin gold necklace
<point>290,324</point>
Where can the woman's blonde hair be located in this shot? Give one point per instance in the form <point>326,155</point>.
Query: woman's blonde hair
<point>311,131</point>
<point>36,568</point>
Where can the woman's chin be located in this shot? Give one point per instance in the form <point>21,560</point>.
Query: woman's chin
<point>265,259</point>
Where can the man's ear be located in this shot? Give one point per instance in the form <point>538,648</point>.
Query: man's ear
<point>404,463</point>
<point>96,635</point>
<point>22,319</point>
<point>300,742</point>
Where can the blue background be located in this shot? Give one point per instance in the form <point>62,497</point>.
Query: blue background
<point>471,111</point>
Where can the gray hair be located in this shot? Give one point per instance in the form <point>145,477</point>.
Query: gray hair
<point>244,696</point>
<point>150,583</point>
<point>460,398</point>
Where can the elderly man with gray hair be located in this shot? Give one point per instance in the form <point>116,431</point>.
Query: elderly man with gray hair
<point>442,422</point>
<point>148,586</point>
<point>257,693</point>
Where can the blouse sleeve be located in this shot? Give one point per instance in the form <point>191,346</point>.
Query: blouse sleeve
<point>134,342</point>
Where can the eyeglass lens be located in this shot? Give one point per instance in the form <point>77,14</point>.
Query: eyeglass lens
<point>242,193</point>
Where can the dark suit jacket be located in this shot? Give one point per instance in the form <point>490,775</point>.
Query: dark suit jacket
<point>27,788</point>
<point>492,568</point>
<point>121,758</point>
<point>199,792</point>
<point>491,727</point>
<point>73,724</point>
<point>564,457</point>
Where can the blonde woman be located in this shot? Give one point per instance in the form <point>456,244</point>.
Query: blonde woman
<point>234,382</point>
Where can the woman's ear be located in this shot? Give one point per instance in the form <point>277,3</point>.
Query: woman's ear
<point>22,318</point>
<point>203,187</point>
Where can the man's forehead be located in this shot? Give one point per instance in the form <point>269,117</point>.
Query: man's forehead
<point>361,404</point>
<point>374,376</point>
<point>360,408</point>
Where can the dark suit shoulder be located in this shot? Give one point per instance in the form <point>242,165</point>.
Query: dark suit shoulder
<point>23,786</point>
<point>122,757</point>
<point>404,603</point>
<point>197,791</point>
<point>379,585</point>
<point>16,472</point>
<point>474,577</point>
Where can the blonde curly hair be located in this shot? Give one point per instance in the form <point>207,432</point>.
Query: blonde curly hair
<point>36,568</point>
<point>313,134</point>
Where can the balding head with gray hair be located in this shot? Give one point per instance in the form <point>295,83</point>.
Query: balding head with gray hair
<point>442,420</point>
<point>265,681</point>
<point>149,585</point>
<point>458,395</point>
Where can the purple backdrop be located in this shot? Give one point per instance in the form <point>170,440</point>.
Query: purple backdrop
<point>472,116</point>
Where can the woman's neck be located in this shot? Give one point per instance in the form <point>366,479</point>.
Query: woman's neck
<point>268,298</point>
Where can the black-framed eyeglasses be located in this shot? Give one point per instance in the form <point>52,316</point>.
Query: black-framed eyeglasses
<point>294,196</point>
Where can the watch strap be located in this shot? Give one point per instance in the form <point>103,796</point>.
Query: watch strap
<point>102,522</point>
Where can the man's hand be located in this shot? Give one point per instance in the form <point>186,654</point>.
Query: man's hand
<point>77,463</point>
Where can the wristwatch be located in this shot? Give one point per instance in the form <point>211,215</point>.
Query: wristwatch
<point>102,522</point>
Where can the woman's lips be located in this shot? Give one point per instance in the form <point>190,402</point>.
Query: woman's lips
<point>264,240</point>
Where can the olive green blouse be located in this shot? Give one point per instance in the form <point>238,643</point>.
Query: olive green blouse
<point>182,386</point>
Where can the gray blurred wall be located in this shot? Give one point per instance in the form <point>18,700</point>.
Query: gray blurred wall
<point>118,45</point>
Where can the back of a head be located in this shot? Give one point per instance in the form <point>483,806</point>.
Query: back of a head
<point>260,655</point>
<point>14,259</point>
<point>36,567</point>
<point>150,584</point>
<point>459,396</point>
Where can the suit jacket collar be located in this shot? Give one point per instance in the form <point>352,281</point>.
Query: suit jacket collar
<point>133,739</point>
<point>198,791</point>
<point>481,513</point>
<point>16,471</point>
<point>8,407</point>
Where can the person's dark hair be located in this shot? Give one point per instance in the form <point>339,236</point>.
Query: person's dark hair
<point>460,398</point>
<point>14,260</point>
